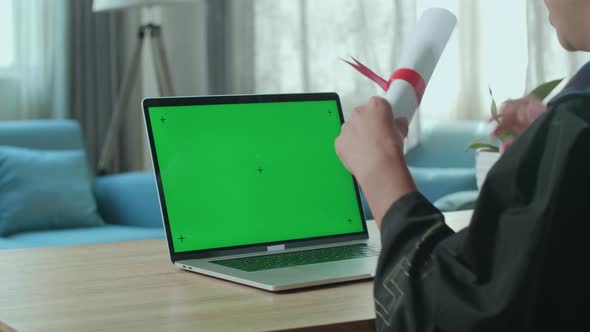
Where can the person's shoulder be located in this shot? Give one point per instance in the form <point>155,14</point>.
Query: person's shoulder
<point>577,90</point>
<point>572,104</point>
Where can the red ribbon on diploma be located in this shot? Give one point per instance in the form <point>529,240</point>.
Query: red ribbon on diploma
<point>409,75</point>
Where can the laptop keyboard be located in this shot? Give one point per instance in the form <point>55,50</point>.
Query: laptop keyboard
<point>297,258</point>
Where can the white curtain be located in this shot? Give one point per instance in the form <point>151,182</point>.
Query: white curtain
<point>281,46</point>
<point>298,44</point>
<point>40,48</point>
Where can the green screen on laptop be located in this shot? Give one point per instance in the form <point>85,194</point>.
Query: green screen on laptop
<point>242,174</point>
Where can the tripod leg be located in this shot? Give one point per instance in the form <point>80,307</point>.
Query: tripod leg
<point>129,80</point>
<point>157,66</point>
<point>165,66</point>
<point>161,64</point>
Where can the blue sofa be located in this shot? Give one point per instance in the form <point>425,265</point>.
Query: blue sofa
<point>442,168</point>
<point>129,204</point>
<point>441,164</point>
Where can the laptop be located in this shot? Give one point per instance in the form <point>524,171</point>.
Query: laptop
<point>252,191</point>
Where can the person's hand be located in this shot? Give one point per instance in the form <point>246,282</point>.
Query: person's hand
<point>371,138</point>
<point>371,147</point>
<point>516,116</point>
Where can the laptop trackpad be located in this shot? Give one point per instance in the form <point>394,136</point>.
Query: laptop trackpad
<point>323,271</point>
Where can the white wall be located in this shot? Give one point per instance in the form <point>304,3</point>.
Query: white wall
<point>184,36</point>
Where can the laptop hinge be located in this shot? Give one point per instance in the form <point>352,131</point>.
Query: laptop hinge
<point>276,248</point>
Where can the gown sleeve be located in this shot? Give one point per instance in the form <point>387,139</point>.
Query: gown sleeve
<point>519,266</point>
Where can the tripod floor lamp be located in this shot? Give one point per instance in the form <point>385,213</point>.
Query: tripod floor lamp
<point>161,65</point>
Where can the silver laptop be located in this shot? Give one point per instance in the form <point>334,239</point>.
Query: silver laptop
<point>251,189</point>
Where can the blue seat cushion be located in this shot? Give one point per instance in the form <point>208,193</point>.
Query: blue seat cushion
<point>12,244</point>
<point>462,200</point>
<point>435,183</point>
<point>129,199</point>
<point>78,236</point>
<point>44,190</point>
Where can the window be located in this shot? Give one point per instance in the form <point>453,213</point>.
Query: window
<point>298,44</point>
<point>6,35</point>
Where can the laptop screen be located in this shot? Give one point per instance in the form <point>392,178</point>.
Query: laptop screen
<point>251,173</point>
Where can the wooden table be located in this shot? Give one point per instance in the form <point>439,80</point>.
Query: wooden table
<point>134,286</point>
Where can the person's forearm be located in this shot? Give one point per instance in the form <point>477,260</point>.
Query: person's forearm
<point>388,181</point>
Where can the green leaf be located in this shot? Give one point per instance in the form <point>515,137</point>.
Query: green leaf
<point>483,145</point>
<point>543,90</point>
<point>494,107</point>
<point>505,136</point>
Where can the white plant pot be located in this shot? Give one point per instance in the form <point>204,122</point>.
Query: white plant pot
<point>484,160</point>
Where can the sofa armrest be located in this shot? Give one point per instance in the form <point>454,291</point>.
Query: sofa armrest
<point>128,199</point>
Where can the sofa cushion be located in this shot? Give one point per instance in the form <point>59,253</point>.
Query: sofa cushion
<point>444,144</point>
<point>78,236</point>
<point>459,201</point>
<point>12,244</point>
<point>129,199</point>
<point>44,190</point>
<point>434,183</point>
<point>437,183</point>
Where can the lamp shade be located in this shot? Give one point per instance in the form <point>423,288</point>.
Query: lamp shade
<point>108,5</point>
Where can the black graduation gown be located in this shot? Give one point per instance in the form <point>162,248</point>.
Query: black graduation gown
<point>523,263</point>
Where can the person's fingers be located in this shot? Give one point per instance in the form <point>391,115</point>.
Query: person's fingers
<point>494,134</point>
<point>516,115</point>
<point>506,144</point>
<point>497,117</point>
<point>509,109</point>
<point>498,132</point>
<point>508,122</point>
<point>513,104</point>
<point>533,110</point>
<point>338,146</point>
<point>378,101</point>
<point>374,101</point>
<point>357,111</point>
<point>403,126</point>
<point>380,104</point>
<point>522,118</point>
<point>344,128</point>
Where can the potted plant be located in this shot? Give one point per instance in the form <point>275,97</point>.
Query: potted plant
<point>487,152</point>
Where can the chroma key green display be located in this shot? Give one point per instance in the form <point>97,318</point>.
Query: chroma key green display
<point>243,174</point>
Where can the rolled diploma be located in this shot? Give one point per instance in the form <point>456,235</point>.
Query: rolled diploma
<point>425,47</point>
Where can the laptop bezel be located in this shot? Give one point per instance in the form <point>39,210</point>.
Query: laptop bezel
<point>241,99</point>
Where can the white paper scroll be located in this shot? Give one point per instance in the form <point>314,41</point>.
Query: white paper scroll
<point>405,87</point>
<point>422,53</point>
